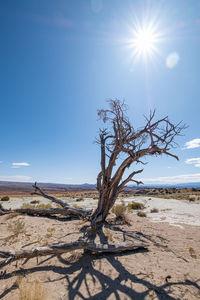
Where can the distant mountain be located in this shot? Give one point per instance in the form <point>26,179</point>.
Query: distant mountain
<point>177,185</point>
<point>25,188</point>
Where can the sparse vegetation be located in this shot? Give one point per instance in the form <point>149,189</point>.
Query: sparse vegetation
<point>154,210</point>
<point>119,210</point>
<point>192,198</point>
<point>192,253</point>
<point>141,214</point>
<point>41,205</point>
<point>16,227</point>
<point>79,199</point>
<point>35,201</point>
<point>96,198</point>
<point>5,198</point>
<point>30,290</point>
<point>76,206</point>
<point>135,205</point>
<point>50,229</point>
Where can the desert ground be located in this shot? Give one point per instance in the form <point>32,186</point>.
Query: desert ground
<point>168,269</point>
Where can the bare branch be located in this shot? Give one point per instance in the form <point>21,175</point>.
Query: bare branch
<point>129,178</point>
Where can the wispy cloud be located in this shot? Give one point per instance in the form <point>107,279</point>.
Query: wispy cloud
<point>195,143</point>
<point>183,178</point>
<point>195,161</point>
<point>19,165</point>
<point>17,178</point>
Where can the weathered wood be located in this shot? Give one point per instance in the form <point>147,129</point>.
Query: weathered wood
<point>57,249</point>
<point>48,212</point>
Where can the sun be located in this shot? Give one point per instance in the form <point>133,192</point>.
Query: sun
<point>144,41</point>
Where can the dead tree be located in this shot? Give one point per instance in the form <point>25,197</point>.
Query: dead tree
<point>122,146</point>
<point>121,139</point>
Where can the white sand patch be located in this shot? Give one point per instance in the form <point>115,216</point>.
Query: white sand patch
<point>172,211</point>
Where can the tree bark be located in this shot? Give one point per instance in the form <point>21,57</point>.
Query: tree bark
<point>57,249</point>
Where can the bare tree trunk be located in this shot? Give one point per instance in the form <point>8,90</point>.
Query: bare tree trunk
<point>105,203</point>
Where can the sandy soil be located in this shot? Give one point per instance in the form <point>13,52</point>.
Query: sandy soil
<point>170,269</point>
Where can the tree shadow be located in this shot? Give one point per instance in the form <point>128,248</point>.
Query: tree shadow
<point>108,286</point>
<point>124,283</point>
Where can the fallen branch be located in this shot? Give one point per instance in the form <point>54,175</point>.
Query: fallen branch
<point>61,248</point>
<point>65,210</point>
<point>48,212</point>
<point>82,213</point>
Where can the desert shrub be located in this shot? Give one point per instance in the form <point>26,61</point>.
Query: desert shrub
<point>27,205</point>
<point>50,229</point>
<point>192,199</point>
<point>154,210</point>
<point>96,198</point>
<point>5,198</point>
<point>30,291</point>
<point>119,210</point>
<point>35,201</point>
<point>141,214</point>
<point>192,252</point>
<point>43,205</point>
<point>127,218</point>
<point>135,205</point>
<point>17,227</point>
<point>76,206</point>
<point>79,199</point>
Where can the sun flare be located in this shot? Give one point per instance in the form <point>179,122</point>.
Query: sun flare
<point>144,41</point>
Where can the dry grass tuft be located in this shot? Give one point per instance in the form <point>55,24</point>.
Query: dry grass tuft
<point>35,201</point>
<point>79,199</point>
<point>192,198</point>
<point>135,205</point>
<point>42,205</point>
<point>5,198</point>
<point>127,218</point>
<point>75,255</point>
<point>16,227</point>
<point>30,290</point>
<point>192,252</point>
<point>50,229</point>
<point>29,205</point>
<point>154,210</point>
<point>119,210</point>
<point>141,214</point>
<point>76,206</point>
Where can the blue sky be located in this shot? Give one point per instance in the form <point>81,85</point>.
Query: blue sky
<point>61,60</point>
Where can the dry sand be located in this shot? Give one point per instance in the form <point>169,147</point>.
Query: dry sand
<point>170,269</point>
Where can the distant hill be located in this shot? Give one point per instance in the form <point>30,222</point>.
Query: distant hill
<point>25,188</point>
<point>177,185</point>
